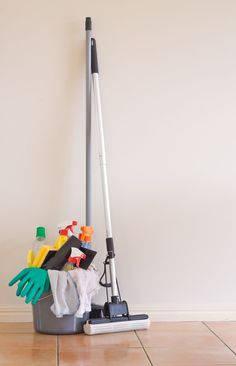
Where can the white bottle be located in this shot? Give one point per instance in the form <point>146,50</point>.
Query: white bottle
<point>40,240</point>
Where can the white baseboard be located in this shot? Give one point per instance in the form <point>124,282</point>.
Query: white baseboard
<point>186,312</point>
<point>156,312</point>
<point>17,314</point>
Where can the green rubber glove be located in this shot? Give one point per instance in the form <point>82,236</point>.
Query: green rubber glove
<point>33,282</point>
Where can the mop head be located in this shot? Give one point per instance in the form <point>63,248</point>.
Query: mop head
<point>137,322</point>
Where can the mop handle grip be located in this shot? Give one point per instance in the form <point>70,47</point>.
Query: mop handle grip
<point>94,58</point>
<point>88,24</point>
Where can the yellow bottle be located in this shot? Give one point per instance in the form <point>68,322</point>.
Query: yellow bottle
<point>30,258</point>
<point>62,239</point>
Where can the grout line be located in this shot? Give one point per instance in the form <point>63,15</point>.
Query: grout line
<point>217,336</point>
<point>143,348</point>
<point>57,351</point>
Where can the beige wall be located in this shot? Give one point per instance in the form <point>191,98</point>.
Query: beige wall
<point>168,83</point>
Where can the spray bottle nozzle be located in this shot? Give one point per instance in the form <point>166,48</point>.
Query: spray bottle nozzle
<point>76,256</point>
<point>69,226</point>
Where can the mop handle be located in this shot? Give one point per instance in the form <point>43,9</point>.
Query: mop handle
<point>88,29</point>
<point>102,158</point>
<point>102,151</point>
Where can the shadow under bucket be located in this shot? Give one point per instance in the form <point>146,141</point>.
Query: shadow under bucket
<point>46,322</point>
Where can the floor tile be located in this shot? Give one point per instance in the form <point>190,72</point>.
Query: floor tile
<point>27,341</point>
<point>16,328</point>
<point>26,349</point>
<point>194,326</point>
<point>104,356</point>
<point>184,344</point>
<point>28,357</point>
<point>126,340</point>
<point>166,343</point>
<point>203,356</point>
<point>226,331</point>
<point>177,334</point>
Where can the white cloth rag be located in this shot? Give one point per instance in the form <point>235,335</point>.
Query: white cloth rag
<point>73,291</point>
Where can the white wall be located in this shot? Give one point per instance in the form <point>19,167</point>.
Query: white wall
<point>168,83</point>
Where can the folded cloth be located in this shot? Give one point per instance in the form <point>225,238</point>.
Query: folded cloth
<point>87,285</point>
<point>73,290</point>
<point>64,293</point>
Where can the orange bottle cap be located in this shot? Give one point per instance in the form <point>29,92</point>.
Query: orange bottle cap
<point>86,234</point>
<point>88,230</point>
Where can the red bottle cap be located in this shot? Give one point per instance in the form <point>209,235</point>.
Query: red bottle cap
<point>63,232</point>
<point>76,260</point>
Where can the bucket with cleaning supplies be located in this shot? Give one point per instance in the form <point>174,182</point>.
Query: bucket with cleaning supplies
<point>46,322</point>
<point>60,281</point>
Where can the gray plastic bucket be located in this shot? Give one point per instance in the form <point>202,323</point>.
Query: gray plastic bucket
<point>46,322</point>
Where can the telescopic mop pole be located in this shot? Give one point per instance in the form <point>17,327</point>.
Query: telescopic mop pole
<point>103,167</point>
<point>88,29</point>
<point>115,315</point>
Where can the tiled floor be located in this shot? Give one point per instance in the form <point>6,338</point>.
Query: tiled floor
<point>164,344</point>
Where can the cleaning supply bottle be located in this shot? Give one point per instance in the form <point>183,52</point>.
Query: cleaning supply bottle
<point>76,256</point>
<point>74,259</point>
<point>86,236</point>
<point>68,225</point>
<point>62,238</point>
<point>39,241</point>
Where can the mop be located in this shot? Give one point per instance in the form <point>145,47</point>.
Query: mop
<point>114,315</point>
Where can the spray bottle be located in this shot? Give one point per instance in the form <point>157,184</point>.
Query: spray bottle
<point>62,238</point>
<point>74,259</point>
<point>66,230</point>
<point>68,225</point>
